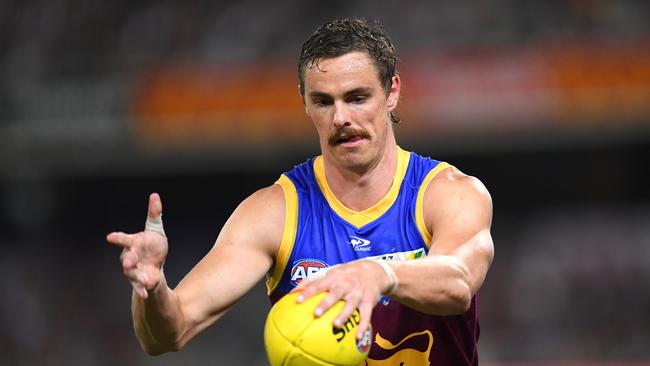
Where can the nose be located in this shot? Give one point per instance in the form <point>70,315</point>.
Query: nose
<point>341,116</point>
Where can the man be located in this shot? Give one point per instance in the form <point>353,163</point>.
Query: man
<point>362,210</point>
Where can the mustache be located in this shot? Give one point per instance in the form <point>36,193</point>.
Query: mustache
<point>346,132</point>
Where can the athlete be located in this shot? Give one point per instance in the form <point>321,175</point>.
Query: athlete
<point>403,238</point>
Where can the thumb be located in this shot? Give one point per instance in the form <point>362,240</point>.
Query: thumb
<point>154,215</point>
<point>155,206</point>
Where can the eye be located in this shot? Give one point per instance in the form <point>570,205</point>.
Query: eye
<point>322,102</point>
<point>357,99</point>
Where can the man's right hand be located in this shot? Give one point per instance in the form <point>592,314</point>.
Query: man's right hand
<point>143,253</point>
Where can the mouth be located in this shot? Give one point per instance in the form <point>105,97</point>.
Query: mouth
<point>347,138</point>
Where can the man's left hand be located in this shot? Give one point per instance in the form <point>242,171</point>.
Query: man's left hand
<point>359,283</point>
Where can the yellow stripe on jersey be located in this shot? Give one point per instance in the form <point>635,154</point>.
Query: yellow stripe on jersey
<point>289,233</point>
<point>419,204</point>
<point>361,218</point>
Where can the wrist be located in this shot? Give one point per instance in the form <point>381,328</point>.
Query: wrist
<point>161,282</point>
<point>393,282</point>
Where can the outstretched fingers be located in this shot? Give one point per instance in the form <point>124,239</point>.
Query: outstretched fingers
<point>139,279</point>
<point>140,290</point>
<point>143,253</point>
<point>131,268</point>
<point>120,239</point>
<point>129,259</point>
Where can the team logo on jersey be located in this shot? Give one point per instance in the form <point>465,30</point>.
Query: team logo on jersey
<point>359,244</point>
<point>306,268</point>
<point>414,349</point>
<point>363,344</point>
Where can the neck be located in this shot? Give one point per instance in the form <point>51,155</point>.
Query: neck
<point>359,189</point>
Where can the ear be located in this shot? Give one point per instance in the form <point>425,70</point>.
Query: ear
<point>393,95</point>
<point>302,97</point>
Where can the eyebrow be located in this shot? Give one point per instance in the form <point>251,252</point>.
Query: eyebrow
<point>355,91</point>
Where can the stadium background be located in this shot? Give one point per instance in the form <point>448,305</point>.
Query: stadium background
<point>548,102</point>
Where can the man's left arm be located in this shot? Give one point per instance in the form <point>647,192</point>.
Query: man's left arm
<point>458,214</point>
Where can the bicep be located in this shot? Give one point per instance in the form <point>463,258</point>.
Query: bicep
<point>242,255</point>
<point>459,215</point>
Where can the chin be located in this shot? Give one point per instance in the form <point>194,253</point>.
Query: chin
<point>353,160</point>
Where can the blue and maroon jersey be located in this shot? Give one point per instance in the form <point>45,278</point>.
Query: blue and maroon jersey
<point>321,232</point>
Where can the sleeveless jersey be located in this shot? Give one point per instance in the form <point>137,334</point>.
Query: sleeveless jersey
<point>321,232</point>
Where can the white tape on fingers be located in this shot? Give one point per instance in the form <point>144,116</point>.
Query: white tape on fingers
<point>155,225</point>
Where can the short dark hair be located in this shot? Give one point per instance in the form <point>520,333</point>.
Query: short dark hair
<point>339,37</point>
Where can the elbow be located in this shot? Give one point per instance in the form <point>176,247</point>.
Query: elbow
<point>459,292</point>
<point>450,291</point>
<point>456,296</point>
<point>152,351</point>
<point>454,299</point>
<point>158,349</point>
<point>459,298</point>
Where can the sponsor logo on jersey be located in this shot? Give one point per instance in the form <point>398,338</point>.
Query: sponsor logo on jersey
<point>360,244</point>
<point>401,256</point>
<point>306,268</point>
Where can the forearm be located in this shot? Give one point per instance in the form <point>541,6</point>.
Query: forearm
<point>158,320</point>
<point>438,285</point>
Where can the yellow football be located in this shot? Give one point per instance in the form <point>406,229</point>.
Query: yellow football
<point>294,337</point>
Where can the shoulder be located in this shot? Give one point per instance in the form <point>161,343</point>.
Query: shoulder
<point>451,180</point>
<point>258,220</point>
<point>452,192</point>
<point>266,203</point>
<point>267,196</point>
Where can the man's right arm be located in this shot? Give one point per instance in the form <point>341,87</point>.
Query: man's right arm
<point>165,319</point>
<point>158,319</point>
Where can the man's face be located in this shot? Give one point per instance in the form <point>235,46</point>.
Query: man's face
<point>348,105</point>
